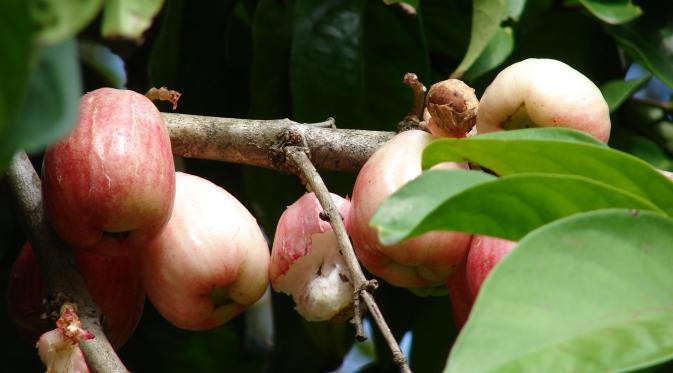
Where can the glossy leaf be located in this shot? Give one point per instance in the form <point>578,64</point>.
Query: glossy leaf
<point>587,293</point>
<point>642,40</point>
<point>505,155</point>
<point>451,41</point>
<point>617,91</point>
<point>271,40</point>
<point>641,147</point>
<point>61,19</point>
<point>16,42</point>
<point>128,18</point>
<point>613,12</point>
<point>515,8</point>
<point>495,53</point>
<point>486,18</point>
<point>50,108</point>
<point>507,207</point>
<point>347,62</point>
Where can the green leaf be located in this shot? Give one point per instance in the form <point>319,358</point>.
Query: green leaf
<point>617,91</point>
<point>643,40</point>
<point>486,18</point>
<point>641,147</point>
<point>271,38</point>
<point>107,64</point>
<point>508,207</point>
<point>587,293</point>
<point>495,53</point>
<point>16,42</point>
<point>58,20</point>
<point>342,63</point>
<point>515,8</point>
<point>128,18</point>
<point>505,156</point>
<point>546,133</point>
<point>613,11</point>
<point>50,108</point>
<point>448,41</point>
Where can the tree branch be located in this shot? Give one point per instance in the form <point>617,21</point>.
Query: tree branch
<point>58,266</point>
<point>248,141</point>
<point>297,155</point>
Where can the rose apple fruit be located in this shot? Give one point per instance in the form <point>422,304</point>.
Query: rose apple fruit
<point>306,262</point>
<point>113,282</point>
<point>421,261</point>
<point>484,253</point>
<point>210,261</point>
<point>543,93</point>
<point>112,178</point>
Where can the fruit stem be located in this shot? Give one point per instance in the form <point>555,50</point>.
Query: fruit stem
<point>299,159</point>
<point>57,264</point>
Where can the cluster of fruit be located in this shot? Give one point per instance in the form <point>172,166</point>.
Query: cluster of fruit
<point>137,226</point>
<point>531,93</point>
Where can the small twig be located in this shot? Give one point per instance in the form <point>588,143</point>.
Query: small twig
<point>164,94</point>
<point>329,123</point>
<point>419,90</point>
<point>414,119</point>
<point>305,169</point>
<point>58,266</point>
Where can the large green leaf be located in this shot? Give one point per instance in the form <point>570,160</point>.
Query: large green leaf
<point>128,18</point>
<point>451,41</point>
<point>16,43</point>
<point>505,155</point>
<point>347,61</point>
<point>50,108</point>
<point>611,11</point>
<point>644,39</point>
<point>617,91</point>
<point>61,19</point>
<point>507,207</point>
<point>495,53</point>
<point>588,293</point>
<point>486,18</point>
<point>271,40</point>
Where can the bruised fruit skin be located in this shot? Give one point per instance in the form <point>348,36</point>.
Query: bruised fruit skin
<point>485,252</point>
<point>113,282</point>
<point>543,93</point>
<point>211,260</point>
<point>112,177</point>
<point>306,263</point>
<point>421,261</point>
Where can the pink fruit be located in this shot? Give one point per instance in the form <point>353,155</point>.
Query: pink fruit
<point>112,178</point>
<point>211,260</point>
<point>421,261</point>
<point>485,252</point>
<point>113,282</point>
<point>306,262</point>
<point>543,93</point>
